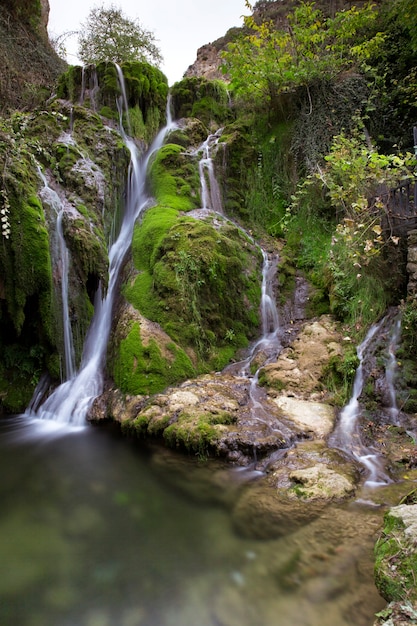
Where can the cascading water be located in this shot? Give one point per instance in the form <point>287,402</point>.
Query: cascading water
<point>210,192</point>
<point>53,200</point>
<point>268,346</point>
<point>390,371</point>
<point>347,436</point>
<point>70,402</point>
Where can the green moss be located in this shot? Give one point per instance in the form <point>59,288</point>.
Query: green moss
<point>395,562</point>
<point>143,369</point>
<point>204,99</point>
<point>339,374</point>
<point>196,433</point>
<point>173,176</point>
<point>146,92</point>
<point>149,235</point>
<point>200,283</point>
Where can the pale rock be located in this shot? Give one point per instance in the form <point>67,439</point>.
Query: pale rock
<point>311,417</point>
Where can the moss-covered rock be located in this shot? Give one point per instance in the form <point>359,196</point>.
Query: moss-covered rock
<point>204,99</point>
<point>98,87</point>
<point>61,160</point>
<point>201,283</point>
<point>396,554</point>
<point>145,359</point>
<point>174,179</point>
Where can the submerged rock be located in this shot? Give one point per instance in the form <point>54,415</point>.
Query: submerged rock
<point>296,488</point>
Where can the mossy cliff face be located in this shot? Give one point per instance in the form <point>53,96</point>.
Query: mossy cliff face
<point>204,99</point>
<point>67,159</point>
<point>194,273</point>
<point>98,88</point>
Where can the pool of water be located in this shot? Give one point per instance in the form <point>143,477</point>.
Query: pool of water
<point>96,530</point>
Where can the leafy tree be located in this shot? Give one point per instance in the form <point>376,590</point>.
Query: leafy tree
<point>269,61</point>
<point>108,35</point>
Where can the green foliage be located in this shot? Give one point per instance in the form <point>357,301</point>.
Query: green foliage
<point>339,375</point>
<point>392,73</point>
<point>269,61</point>
<point>354,267</point>
<point>409,329</point>
<point>267,182</point>
<point>395,562</point>
<point>108,35</point>
<point>207,100</point>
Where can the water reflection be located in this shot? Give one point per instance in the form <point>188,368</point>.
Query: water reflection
<point>98,532</point>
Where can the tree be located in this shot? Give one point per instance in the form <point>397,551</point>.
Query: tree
<point>266,61</point>
<point>108,35</point>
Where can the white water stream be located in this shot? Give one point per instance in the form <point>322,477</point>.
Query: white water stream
<point>267,348</point>
<point>347,434</point>
<point>53,200</point>
<point>210,192</point>
<point>70,402</point>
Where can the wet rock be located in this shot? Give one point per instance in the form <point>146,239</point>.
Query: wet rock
<point>322,482</point>
<point>297,487</point>
<point>308,462</point>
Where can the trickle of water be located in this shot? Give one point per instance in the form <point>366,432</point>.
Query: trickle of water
<point>51,197</point>
<point>210,191</point>
<point>268,346</point>
<point>70,402</point>
<point>391,370</point>
<point>347,436</point>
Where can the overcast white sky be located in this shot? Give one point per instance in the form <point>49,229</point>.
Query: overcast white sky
<point>180,26</point>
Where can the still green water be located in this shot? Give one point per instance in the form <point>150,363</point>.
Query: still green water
<point>98,531</point>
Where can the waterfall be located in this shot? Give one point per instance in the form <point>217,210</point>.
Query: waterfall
<point>390,371</point>
<point>70,402</point>
<point>268,346</point>
<point>53,200</point>
<point>93,87</point>
<point>210,192</point>
<point>347,436</point>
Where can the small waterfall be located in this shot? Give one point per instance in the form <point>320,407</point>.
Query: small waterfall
<point>93,86</point>
<point>210,192</point>
<point>70,402</point>
<point>268,346</point>
<point>53,200</point>
<point>266,349</point>
<point>122,104</point>
<point>391,370</point>
<point>347,436</point>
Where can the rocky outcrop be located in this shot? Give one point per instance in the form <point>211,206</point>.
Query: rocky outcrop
<point>29,65</point>
<point>412,263</point>
<point>207,63</point>
<point>299,369</point>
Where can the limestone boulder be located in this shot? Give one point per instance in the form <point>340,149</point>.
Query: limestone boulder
<point>315,419</point>
<point>300,367</point>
